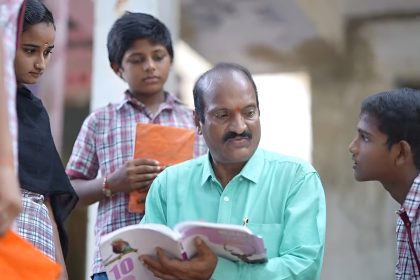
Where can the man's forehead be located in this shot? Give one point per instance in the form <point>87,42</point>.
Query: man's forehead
<point>221,82</point>
<point>228,75</point>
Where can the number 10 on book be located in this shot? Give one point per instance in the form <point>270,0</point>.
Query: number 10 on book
<point>124,269</point>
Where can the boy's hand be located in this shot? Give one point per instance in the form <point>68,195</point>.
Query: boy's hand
<point>135,174</point>
<point>200,267</point>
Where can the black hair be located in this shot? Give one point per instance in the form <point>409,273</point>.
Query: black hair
<point>202,84</point>
<point>36,12</point>
<point>134,26</point>
<point>397,113</point>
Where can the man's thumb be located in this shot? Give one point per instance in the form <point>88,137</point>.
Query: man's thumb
<point>201,246</point>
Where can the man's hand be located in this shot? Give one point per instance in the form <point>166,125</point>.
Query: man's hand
<point>200,267</point>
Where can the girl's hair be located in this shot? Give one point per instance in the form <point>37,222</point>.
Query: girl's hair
<point>36,12</point>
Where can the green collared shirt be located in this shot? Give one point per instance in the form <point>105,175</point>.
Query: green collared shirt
<point>281,197</point>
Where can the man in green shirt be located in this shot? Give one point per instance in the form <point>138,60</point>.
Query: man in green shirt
<point>280,198</point>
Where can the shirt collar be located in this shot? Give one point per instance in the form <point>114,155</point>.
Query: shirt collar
<point>412,201</point>
<point>251,171</point>
<point>169,103</point>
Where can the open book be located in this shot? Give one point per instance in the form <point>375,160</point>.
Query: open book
<point>121,249</point>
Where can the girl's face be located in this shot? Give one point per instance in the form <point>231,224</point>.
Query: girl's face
<point>34,52</point>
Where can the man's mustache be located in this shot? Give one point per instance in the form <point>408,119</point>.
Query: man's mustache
<point>232,135</point>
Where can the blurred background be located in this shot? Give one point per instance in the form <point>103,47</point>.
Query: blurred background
<point>313,61</point>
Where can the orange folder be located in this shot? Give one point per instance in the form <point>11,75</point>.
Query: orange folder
<point>166,144</point>
<point>20,260</point>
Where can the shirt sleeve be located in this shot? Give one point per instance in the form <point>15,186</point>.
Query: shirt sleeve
<point>302,247</point>
<point>83,162</point>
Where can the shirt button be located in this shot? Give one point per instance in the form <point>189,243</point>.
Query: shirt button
<point>226,199</point>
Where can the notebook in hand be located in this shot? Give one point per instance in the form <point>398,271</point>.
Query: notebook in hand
<point>166,144</point>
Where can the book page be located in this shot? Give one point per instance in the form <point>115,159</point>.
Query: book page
<point>166,144</point>
<point>233,242</point>
<point>121,249</point>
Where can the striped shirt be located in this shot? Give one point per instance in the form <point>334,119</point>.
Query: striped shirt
<point>406,267</point>
<point>106,142</point>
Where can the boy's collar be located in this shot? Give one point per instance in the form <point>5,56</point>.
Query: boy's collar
<point>170,101</point>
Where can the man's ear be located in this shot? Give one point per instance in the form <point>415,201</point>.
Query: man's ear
<point>117,70</point>
<point>404,154</point>
<point>197,122</point>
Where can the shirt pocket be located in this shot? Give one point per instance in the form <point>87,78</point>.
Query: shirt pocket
<point>272,235</point>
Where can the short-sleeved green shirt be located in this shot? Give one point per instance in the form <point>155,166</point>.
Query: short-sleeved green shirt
<point>281,197</point>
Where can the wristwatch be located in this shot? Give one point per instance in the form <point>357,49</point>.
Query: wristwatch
<point>105,188</point>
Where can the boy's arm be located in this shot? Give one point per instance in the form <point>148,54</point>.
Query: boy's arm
<point>89,191</point>
<point>83,164</point>
<point>83,167</point>
<point>134,174</point>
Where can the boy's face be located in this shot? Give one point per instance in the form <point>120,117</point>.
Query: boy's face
<point>34,52</point>
<point>372,158</point>
<point>145,67</point>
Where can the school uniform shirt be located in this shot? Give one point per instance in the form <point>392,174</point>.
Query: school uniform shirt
<point>406,267</point>
<point>106,142</point>
<point>281,197</point>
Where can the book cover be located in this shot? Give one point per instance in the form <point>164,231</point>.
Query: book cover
<point>166,144</point>
<point>16,254</point>
<point>122,248</point>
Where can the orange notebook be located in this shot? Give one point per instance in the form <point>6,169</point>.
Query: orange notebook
<point>166,144</point>
<point>20,260</point>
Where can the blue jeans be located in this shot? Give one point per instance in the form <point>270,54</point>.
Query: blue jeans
<point>99,276</point>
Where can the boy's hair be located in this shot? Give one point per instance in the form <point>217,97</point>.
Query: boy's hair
<point>134,26</point>
<point>397,113</point>
<point>36,12</point>
<point>203,84</point>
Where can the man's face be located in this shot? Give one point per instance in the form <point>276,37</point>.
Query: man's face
<point>372,158</point>
<point>232,121</point>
